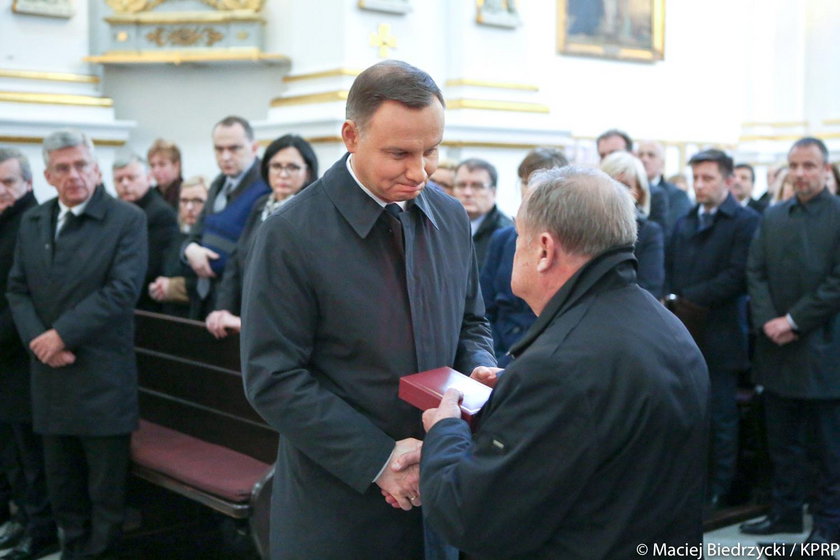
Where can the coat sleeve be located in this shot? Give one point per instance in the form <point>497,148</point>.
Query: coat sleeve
<point>650,252</point>
<point>163,231</point>
<point>761,304</point>
<point>279,322</point>
<point>817,306</point>
<point>730,280</point>
<point>80,323</point>
<point>27,320</point>
<point>475,342</point>
<point>505,492</point>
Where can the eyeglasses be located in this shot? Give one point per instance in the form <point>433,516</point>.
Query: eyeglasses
<point>194,201</point>
<point>474,186</point>
<point>291,168</point>
<point>65,168</point>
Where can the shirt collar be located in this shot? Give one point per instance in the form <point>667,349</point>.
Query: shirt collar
<point>76,210</point>
<point>367,191</point>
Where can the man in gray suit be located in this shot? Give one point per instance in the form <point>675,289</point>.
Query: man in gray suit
<point>78,269</point>
<point>364,277</point>
<point>793,275</point>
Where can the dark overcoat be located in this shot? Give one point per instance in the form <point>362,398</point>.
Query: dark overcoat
<point>592,442</point>
<point>708,268</point>
<point>82,284</point>
<point>493,221</point>
<point>332,318</point>
<point>794,267</point>
<point>162,232</point>
<point>15,403</point>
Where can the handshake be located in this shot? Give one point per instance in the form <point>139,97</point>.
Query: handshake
<point>399,481</point>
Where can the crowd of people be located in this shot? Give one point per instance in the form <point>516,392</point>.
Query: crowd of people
<point>614,321</point>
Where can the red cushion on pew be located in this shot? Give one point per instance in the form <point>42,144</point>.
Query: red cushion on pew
<point>206,466</point>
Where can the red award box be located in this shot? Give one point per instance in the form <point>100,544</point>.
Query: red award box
<point>425,390</point>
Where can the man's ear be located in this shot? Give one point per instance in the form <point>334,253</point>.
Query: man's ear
<point>548,252</point>
<point>350,135</point>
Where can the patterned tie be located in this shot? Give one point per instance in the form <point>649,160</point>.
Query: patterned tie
<point>222,198</point>
<point>392,212</point>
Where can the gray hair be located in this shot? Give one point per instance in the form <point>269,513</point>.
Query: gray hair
<point>13,153</point>
<point>624,163</point>
<point>125,159</point>
<point>66,138</point>
<point>584,209</point>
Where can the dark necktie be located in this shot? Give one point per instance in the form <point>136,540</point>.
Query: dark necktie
<point>706,219</point>
<point>392,212</point>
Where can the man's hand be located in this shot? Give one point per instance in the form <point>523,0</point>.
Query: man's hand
<point>401,487</point>
<point>486,375</point>
<point>46,346</point>
<point>199,258</point>
<point>779,331</point>
<point>63,358</point>
<point>158,288</point>
<point>448,408</point>
<point>219,322</point>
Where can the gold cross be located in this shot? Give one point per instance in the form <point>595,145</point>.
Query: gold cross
<point>383,39</point>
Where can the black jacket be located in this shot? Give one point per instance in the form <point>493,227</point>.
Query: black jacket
<point>15,403</point>
<point>494,220</point>
<point>592,442</point>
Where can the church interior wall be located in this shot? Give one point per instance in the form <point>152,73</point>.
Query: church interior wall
<point>734,74</point>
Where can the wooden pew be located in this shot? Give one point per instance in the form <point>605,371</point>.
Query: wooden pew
<point>199,436</point>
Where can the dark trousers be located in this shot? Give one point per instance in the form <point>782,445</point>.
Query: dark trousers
<point>86,477</point>
<point>788,422</point>
<point>723,444</point>
<point>34,502</point>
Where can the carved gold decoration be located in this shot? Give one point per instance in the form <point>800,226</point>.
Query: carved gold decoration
<point>228,5</point>
<point>122,37</point>
<point>184,36</point>
<point>242,35</point>
<point>133,6</point>
<point>383,39</point>
<point>40,140</point>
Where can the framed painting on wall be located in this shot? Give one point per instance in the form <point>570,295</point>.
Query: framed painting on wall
<point>619,29</point>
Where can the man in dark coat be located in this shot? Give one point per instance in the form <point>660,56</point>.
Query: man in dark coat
<point>742,188</point>
<point>231,196</point>
<point>793,274</point>
<point>364,277</point>
<point>475,187</point>
<point>133,183</point>
<point>78,270</point>
<point>593,440</point>
<point>33,526</point>
<point>652,155</point>
<point>706,270</point>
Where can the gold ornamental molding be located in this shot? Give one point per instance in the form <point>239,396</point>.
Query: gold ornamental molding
<point>134,6</point>
<point>491,105</point>
<point>831,122</point>
<point>40,140</point>
<point>49,76</point>
<point>169,18</point>
<point>181,57</point>
<point>55,99</point>
<point>184,36</point>
<point>311,98</point>
<point>772,137</point>
<point>491,84</point>
<point>337,72</point>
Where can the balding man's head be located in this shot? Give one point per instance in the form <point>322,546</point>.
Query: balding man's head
<point>652,155</point>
